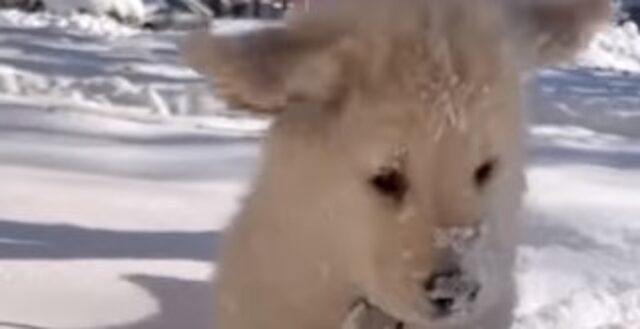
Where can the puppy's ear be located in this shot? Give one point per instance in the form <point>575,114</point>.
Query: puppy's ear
<point>264,69</point>
<point>555,30</point>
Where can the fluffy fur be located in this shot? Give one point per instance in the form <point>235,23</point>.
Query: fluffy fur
<point>427,89</point>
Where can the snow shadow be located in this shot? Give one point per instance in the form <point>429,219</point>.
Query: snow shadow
<point>152,153</point>
<point>558,155</point>
<point>35,241</point>
<point>593,115</point>
<point>13,325</point>
<point>601,101</point>
<point>46,33</point>
<point>83,59</point>
<point>539,232</point>
<point>182,303</point>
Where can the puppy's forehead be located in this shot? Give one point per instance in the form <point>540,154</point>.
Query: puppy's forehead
<point>426,132</point>
<point>435,85</point>
<point>421,94</point>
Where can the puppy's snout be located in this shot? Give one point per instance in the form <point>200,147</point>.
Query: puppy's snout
<point>451,291</point>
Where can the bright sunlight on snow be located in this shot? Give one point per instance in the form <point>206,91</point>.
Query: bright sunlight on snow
<point>119,169</point>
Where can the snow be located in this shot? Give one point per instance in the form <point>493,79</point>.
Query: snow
<point>616,48</point>
<point>130,10</point>
<point>578,256</point>
<point>456,238</point>
<point>74,23</point>
<point>119,171</point>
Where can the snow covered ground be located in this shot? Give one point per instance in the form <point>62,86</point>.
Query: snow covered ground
<point>616,48</point>
<point>118,171</point>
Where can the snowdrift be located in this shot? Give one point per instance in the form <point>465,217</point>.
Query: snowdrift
<point>616,48</point>
<point>131,11</point>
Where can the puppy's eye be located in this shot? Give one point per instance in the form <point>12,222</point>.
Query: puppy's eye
<point>391,183</point>
<point>485,173</point>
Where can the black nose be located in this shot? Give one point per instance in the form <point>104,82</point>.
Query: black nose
<point>450,291</point>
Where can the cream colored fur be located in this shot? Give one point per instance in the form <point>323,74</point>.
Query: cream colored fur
<point>430,88</point>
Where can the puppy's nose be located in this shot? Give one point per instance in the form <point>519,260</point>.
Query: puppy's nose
<point>451,291</point>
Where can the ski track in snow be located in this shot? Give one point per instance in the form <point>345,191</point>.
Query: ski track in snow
<point>119,170</point>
